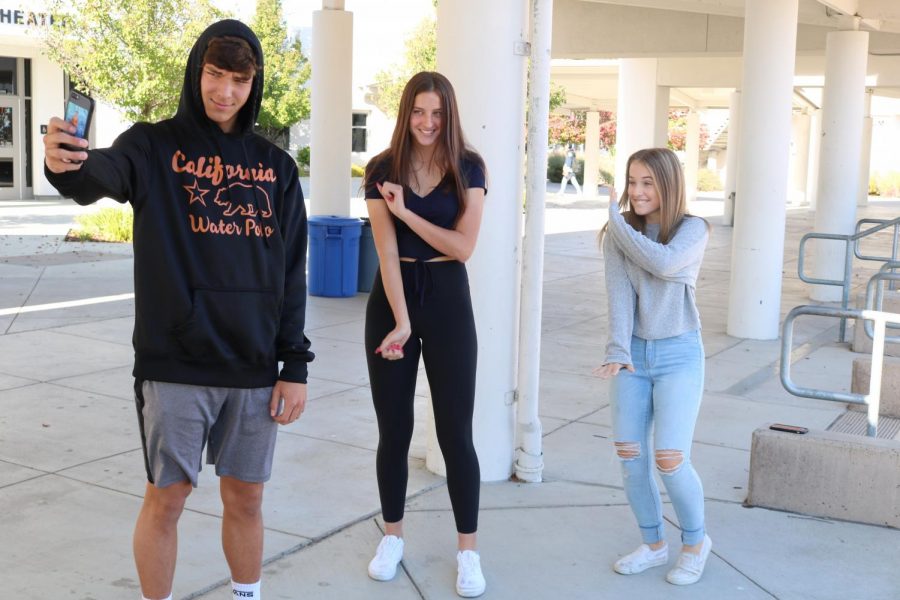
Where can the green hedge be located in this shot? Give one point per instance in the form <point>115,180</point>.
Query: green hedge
<point>105,225</point>
<point>555,164</point>
<point>709,181</point>
<point>885,184</point>
<point>556,161</point>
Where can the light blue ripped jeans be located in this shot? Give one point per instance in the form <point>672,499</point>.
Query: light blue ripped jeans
<point>662,395</point>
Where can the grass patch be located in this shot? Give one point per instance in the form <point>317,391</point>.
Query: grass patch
<point>105,225</point>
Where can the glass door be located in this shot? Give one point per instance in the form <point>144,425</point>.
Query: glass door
<point>10,148</point>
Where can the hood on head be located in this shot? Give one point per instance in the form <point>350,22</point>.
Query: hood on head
<point>190,105</point>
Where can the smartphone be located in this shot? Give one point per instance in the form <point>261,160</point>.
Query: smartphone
<point>280,410</point>
<point>79,111</point>
<point>788,428</point>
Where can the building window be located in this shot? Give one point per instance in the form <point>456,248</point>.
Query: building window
<point>8,75</point>
<point>6,126</point>
<point>29,178</point>
<point>359,132</point>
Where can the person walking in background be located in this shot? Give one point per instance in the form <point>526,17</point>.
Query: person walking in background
<point>654,357</point>
<point>220,296</point>
<point>568,173</point>
<point>425,196</point>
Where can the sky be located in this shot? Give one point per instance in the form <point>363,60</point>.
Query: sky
<point>380,28</point>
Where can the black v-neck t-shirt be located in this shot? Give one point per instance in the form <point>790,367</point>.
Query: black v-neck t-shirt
<point>440,206</point>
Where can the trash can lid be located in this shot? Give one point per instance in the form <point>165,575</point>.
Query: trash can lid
<point>334,221</point>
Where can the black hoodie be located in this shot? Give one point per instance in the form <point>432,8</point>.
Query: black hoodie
<point>219,239</point>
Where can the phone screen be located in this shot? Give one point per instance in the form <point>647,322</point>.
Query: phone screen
<point>77,116</point>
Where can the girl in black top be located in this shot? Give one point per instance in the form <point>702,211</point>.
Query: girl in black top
<point>425,195</point>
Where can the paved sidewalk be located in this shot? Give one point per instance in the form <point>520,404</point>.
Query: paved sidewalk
<point>71,473</point>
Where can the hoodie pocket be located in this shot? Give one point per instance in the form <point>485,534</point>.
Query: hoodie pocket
<point>229,326</point>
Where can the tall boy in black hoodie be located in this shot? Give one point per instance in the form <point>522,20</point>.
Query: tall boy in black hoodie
<point>220,295</point>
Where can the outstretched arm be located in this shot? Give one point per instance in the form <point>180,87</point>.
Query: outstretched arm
<point>113,172</point>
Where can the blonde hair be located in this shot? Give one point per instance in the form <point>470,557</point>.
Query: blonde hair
<point>668,178</point>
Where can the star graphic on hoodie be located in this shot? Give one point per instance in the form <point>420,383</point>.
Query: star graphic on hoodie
<point>197,193</point>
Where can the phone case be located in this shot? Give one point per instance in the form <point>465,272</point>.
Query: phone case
<point>788,428</point>
<point>79,111</point>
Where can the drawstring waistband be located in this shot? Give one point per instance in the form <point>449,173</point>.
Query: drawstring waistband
<point>423,281</point>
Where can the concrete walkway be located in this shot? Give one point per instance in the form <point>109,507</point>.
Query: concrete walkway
<point>71,473</point>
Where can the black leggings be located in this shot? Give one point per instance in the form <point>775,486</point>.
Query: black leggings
<point>443,331</point>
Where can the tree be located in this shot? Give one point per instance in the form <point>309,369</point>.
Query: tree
<point>567,129</point>
<point>557,96</point>
<point>570,129</point>
<point>285,99</point>
<point>129,53</point>
<point>678,129</point>
<point>420,55</point>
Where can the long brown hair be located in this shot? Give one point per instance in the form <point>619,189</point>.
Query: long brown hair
<point>452,148</point>
<point>668,177</point>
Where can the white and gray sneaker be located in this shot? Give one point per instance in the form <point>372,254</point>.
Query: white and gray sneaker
<point>469,579</point>
<point>387,556</point>
<point>690,566</point>
<point>641,559</point>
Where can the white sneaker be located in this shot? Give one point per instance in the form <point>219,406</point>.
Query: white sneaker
<point>690,566</point>
<point>469,579</point>
<point>387,556</point>
<point>641,559</point>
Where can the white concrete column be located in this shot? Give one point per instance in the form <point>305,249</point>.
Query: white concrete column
<point>865,156</point>
<point>799,163</point>
<point>661,121</point>
<point>332,110</point>
<point>732,160</point>
<point>692,156</point>
<point>591,154</point>
<point>637,113</point>
<point>815,143</point>
<point>843,108</point>
<point>754,298</point>
<point>492,112</point>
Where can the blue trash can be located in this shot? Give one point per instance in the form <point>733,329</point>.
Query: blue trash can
<point>368,258</point>
<point>333,256</point>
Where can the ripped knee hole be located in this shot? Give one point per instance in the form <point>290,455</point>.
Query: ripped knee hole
<point>669,461</point>
<point>628,450</point>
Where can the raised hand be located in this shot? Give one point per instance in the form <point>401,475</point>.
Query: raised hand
<point>393,196</point>
<point>58,159</point>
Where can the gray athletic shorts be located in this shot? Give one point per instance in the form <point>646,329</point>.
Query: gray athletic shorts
<point>177,420</point>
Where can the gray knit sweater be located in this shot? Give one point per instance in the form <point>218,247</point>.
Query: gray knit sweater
<point>650,286</point>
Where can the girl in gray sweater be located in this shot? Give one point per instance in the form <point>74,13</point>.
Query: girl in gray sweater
<point>654,357</point>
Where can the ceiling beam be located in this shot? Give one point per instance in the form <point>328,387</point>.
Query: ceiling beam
<point>682,98</point>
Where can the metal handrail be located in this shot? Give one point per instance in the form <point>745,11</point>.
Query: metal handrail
<point>883,224</point>
<point>871,400</point>
<point>848,258</point>
<point>891,265</point>
<point>875,298</point>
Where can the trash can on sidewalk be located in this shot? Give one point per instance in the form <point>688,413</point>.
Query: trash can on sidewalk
<point>368,258</point>
<point>333,255</point>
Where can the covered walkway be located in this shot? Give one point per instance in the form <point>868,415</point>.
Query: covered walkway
<point>71,473</point>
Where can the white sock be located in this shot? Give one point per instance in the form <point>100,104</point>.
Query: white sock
<point>169,597</point>
<point>245,591</point>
